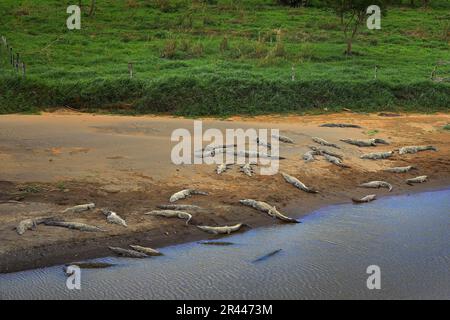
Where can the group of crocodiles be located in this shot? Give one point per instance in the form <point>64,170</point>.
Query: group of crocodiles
<point>337,159</point>
<point>185,212</point>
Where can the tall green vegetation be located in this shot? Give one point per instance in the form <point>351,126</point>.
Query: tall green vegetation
<point>221,57</point>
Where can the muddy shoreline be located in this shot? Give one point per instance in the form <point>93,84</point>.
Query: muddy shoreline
<point>62,252</point>
<point>54,162</point>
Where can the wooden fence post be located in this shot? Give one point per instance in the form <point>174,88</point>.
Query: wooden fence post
<point>130,69</point>
<point>17,62</point>
<point>433,73</point>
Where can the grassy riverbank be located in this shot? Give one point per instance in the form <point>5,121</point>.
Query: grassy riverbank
<point>230,57</point>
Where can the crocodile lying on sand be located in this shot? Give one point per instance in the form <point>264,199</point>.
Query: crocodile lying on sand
<point>180,207</point>
<point>113,217</point>
<point>222,146</point>
<point>255,155</point>
<point>297,183</point>
<point>365,143</point>
<point>325,143</point>
<point>267,208</point>
<point>221,168</point>
<point>283,138</point>
<point>377,184</point>
<point>365,199</point>
<point>263,143</point>
<point>339,125</point>
<point>336,161</point>
<point>400,169</point>
<point>171,214</point>
<point>309,155</point>
<point>211,151</point>
<point>128,253</point>
<point>80,208</point>
<point>415,149</point>
<point>377,155</point>
<point>323,152</point>
<point>30,224</point>
<point>146,250</point>
<point>247,169</point>
<point>389,114</point>
<point>185,194</point>
<point>221,230</point>
<point>420,179</point>
<point>73,225</point>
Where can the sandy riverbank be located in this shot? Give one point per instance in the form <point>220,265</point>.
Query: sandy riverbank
<point>53,161</point>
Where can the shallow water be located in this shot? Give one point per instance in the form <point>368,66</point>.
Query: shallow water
<point>324,257</point>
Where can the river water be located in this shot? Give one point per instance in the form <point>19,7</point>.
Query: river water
<point>325,257</point>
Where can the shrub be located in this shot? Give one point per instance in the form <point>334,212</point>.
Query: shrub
<point>224,45</point>
<point>198,49</point>
<point>291,3</point>
<point>170,49</point>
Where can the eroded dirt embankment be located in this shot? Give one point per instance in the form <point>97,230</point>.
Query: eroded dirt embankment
<point>54,161</point>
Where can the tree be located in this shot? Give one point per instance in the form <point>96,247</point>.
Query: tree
<point>353,14</point>
<point>425,3</point>
<point>92,9</point>
<point>294,3</point>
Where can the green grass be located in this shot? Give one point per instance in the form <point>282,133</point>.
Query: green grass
<point>372,132</point>
<point>195,59</point>
<point>447,127</point>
